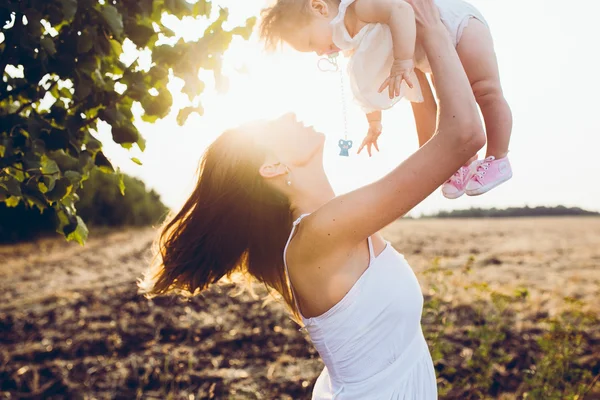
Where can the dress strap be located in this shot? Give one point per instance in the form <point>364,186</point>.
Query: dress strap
<point>371,251</point>
<point>287,272</point>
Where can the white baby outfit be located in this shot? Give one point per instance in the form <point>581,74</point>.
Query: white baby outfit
<point>371,341</point>
<point>372,53</point>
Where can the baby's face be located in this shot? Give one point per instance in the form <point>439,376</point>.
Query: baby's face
<point>316,34</point>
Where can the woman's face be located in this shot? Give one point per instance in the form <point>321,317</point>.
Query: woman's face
<point>291,142</point>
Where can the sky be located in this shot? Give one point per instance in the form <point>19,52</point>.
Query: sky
<point>549,59</point>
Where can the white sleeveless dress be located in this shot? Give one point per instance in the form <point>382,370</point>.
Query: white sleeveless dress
<point>371,341</point>
<point>372,53</point>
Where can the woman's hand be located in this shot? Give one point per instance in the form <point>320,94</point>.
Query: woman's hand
<point>427,14</point>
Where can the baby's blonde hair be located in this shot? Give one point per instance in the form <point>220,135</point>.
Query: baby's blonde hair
<point>283,17</point>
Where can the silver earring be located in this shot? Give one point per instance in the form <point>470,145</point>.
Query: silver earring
<point>289,181</point>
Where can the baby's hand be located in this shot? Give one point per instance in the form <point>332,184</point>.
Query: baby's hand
<point>375,129</point>
<point>401,71</point>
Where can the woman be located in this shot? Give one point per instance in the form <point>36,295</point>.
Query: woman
<point>357,297</point>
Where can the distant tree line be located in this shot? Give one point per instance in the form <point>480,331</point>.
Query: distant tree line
<point>100,204</point>
<point>540,211</point>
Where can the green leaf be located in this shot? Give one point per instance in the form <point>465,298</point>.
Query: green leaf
<point>66,221</point>
<point>86,41</point>
<point>50,181</point>
<point>62,188</point>
<point>83,88</point>
<point>80,234</point>
<point>74,177</point>
<point>158,73</point>
<point>12,185</point>
<point>116,47</point>
<point>179,8</point>
<point>158,105</point>
<point>69,228</point>
<point>58,113</point>
<point>42,187</point>
<point>17,173</point>
<point>34,27</point>
<point>245,31</point>
<point>63,160</point>
<point>166,31</point>
<point>136,160</point>
<point>87,64</point>
<point>48,45</point>
<point>36,124</point>
<point>121,184</point>
<point>48,166</point>
<point>2,150</point>
<point>113,19</point>
<point>184,113</point>
<point>102,162</point>
<point>149,118</point>
<point>98,78</point>
<point>141,143</point>
<point>12,201</point>
<point>47,183</point>
<point>86,162</point>
<point>140,35</point>
<point>69,8</point>
<point>125,134</point>
<point>146,7</point>
<point>165,55</point>
<point>33,196</point>
<point>54,91</point>
<point>93,145</point>
<point>193,87</point>
<point>66,93</point>
<point>38,146</point>
<point>203,8</point>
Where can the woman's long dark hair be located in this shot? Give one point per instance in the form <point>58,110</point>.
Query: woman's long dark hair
<point>233,221</point>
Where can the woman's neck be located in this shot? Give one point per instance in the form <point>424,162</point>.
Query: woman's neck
<point>309,199</point>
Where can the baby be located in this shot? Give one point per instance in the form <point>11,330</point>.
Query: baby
<point>388,63</point>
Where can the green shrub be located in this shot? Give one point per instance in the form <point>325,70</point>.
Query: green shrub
<point>101,204</point>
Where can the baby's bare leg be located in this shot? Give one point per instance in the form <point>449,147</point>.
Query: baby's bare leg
<point>476,51</point>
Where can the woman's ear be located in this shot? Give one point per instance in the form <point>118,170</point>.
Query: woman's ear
<point>272,170</point>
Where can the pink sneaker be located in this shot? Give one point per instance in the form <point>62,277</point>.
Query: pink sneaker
<point>454,187</point>
<point>487,174</point>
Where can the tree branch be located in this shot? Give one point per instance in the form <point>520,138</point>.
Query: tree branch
<point>24,106</point>
<point>30,170</point>
<point>89,122</point>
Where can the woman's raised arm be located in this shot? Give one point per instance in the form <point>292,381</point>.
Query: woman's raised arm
<point>349,219</point>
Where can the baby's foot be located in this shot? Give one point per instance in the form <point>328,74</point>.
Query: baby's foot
<point>487,174</point>
<point>454,187</point>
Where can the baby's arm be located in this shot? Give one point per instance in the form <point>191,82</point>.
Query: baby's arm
<point>400,17</point>
<point>374,119</point>
<point>374,116</point>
